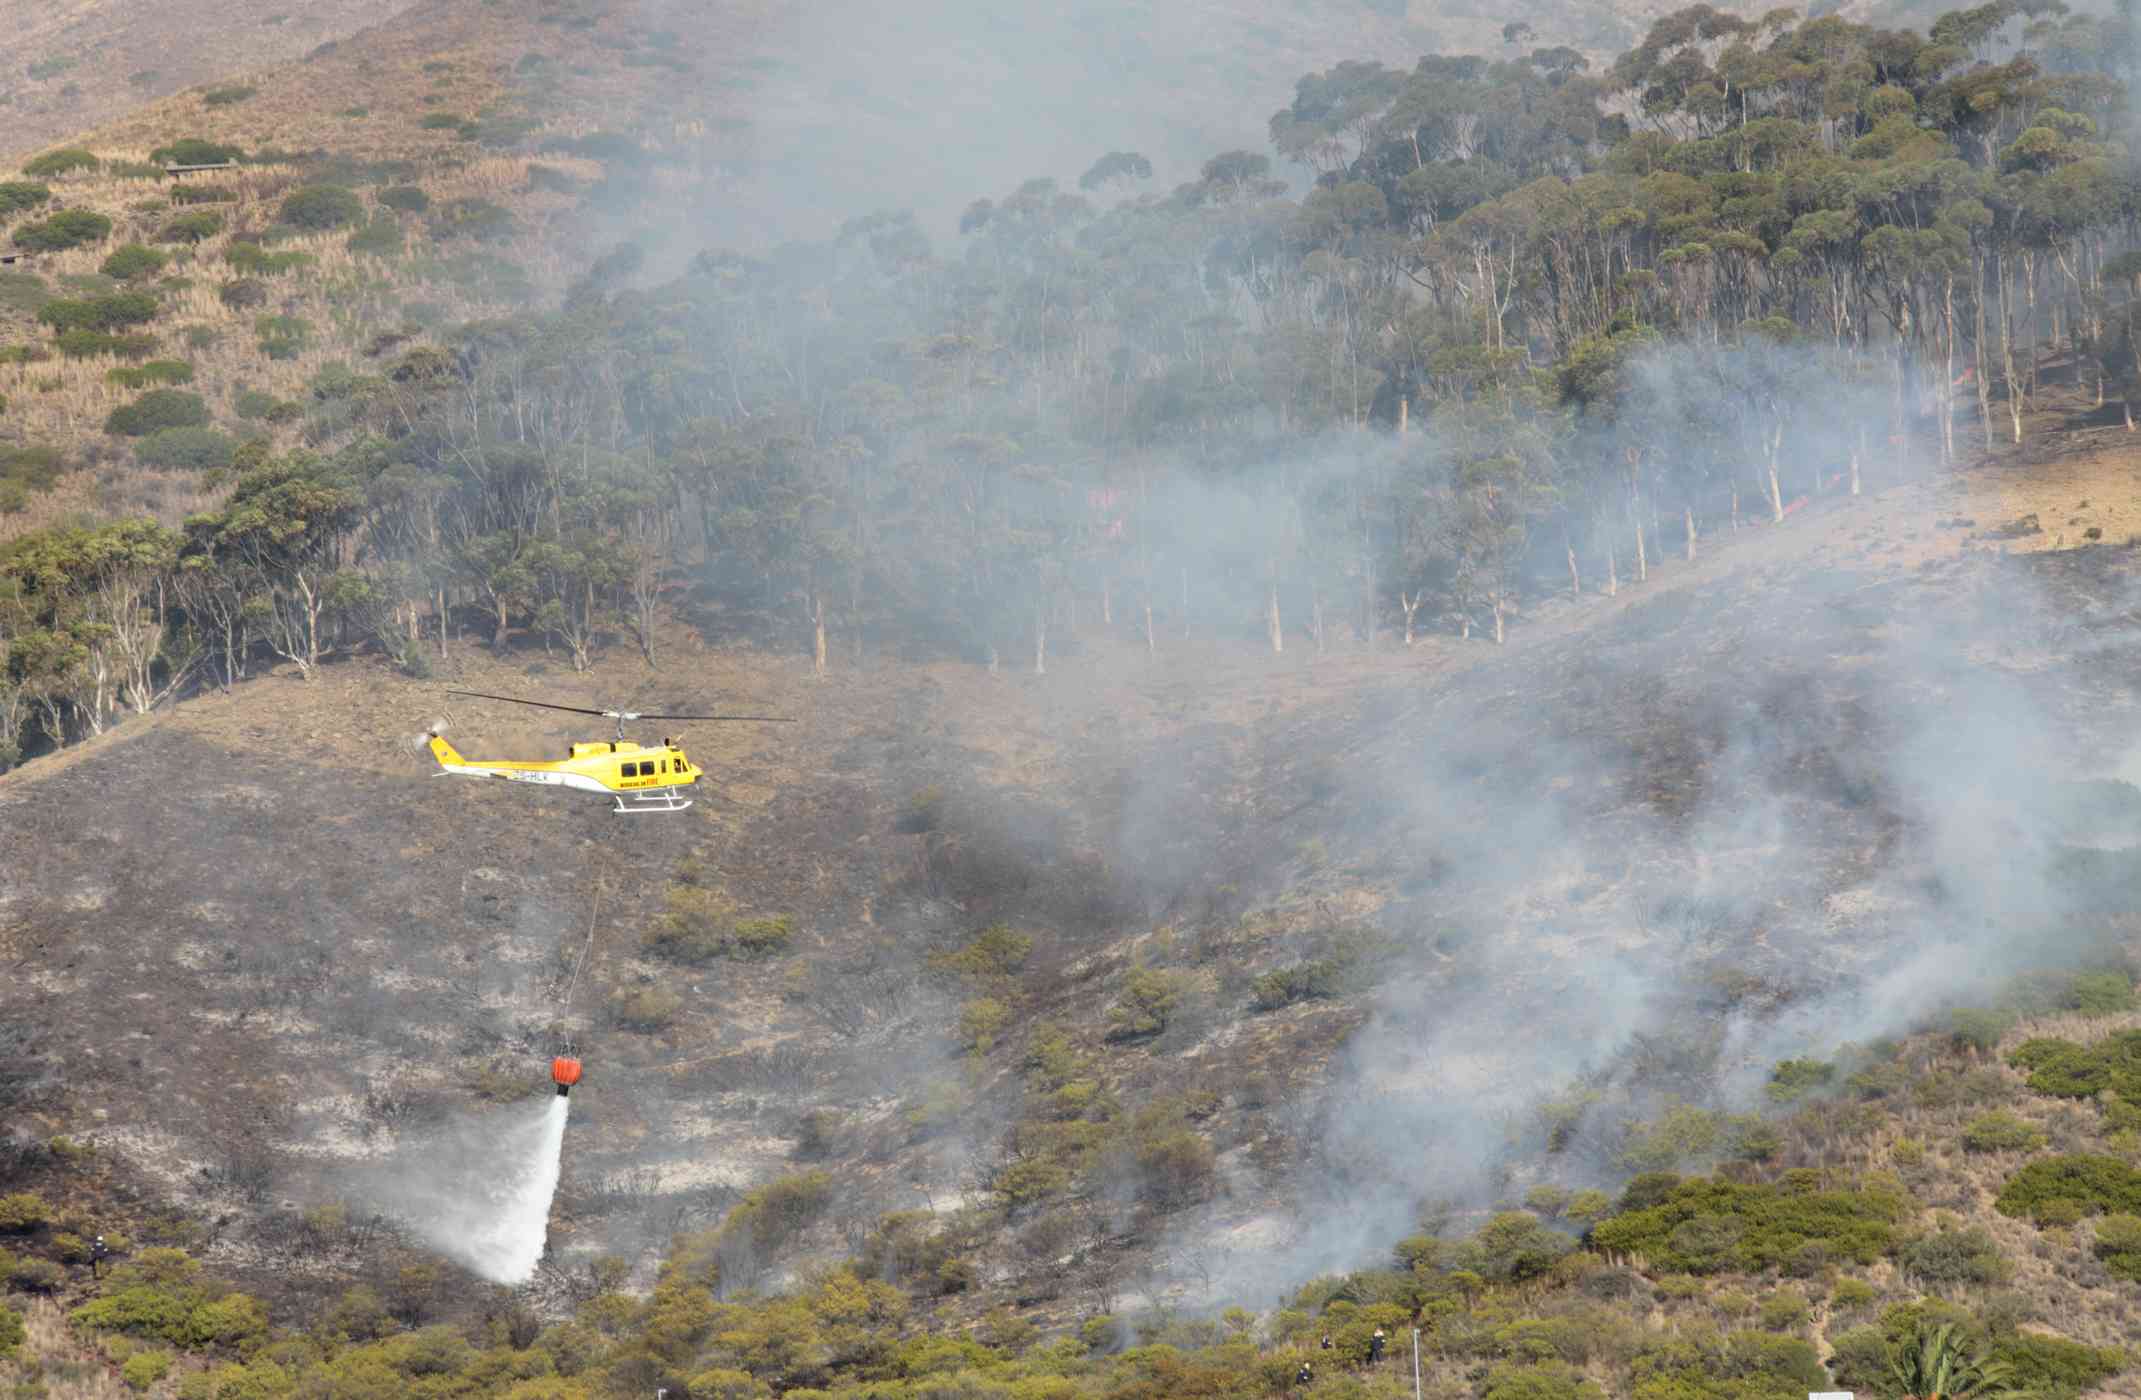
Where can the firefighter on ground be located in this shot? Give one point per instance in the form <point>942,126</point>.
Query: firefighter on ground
<point>1375,1347</point>
<point>98,1253</point>
<point>1304,1376</point>
<point>1326,1341</point>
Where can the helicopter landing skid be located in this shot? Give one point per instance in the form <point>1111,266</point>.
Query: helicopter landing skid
<point>656,800</point>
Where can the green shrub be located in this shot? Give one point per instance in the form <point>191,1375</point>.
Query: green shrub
<point>2040,1365</point>
<point>194,151</point>
<point>153,373</point>
<point>23,291</point>
<point>1785,1310</point>
<point>191,228</point>
<point>283,337</point>
<point>2118,1244</point>
<point>1954,1257</point>
<point>2097,1184</point>
<point>1513,1246</point>
<point>1302,982</point>
<point>474,218</point>
<point>994,954</point>
<point>86,344</point>
<point>1148,1002</point>
<point>408,199</point>
<point>440,121</point>
<point>12,1332</point>
<point>317,208</point>
<point>203,194</point>
<point>145,1368</point>
<point>1704,1226</point>
<point>2067,1070</point>
<point>1792,1080</point>
<point>243,294</point>
<point>254,406</point>
<point>980,1022</point>
<point>33,1275</point>
<point>648,1008</point>
<point>186,449</point>
<point>2102,993</point>
<point>2000,1131</point>
<point>21,196</point>
<point>156,410</point>
<point>228,96</point>
<point>131,261</point>
<point>380,237</point>
<point>1978,1028</point>
<point>253,260</point>
<point>23,1212</point>
<point>117,312</point>
<point>1851,1294</point>
<point>69,228</point>
<point>65,161</point>
<point>32,468</point>
<point>763,938</point>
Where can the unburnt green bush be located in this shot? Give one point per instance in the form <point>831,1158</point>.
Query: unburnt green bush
<point>12,1332</point>
<point>196,227</point>
<point>69,228</point>
<point>1703,1226</point>
<point>1953,1257</point>
<point>151,374</point>
<point>2067,1070</point>
<point>407,199</point>
<point>193,150</point>
<point>131,261</point>
<point>1149,1000</point>
<point>117,312</point>
<point>2096,1184</point>
<point>647,1008</point>
<point>65,161</point>
<point>317,208</point>
<point>156,410</point>
<point>22,1212</point>
<point>381,237</point>
<point>229,96</point>
<point>283,337</point>
<point>21,196</point>
<point>187,449</point>
<point>203,194</point>
<point>2000,1131</point>
<point>256,261</point>
<point>86,344</point>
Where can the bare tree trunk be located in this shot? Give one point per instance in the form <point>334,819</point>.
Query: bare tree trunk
<point>1107,601</point>
<point>1040,640</point>
<point>444,614</point>
<point>1688,514</point>
<point>1152,648</point>
<point>1642,558</point>
<point>1185,600</point>
<point>1735,507</point>
<point>1613,573</point>
<point>1575,579</point>
<point>1498,633</point>
<point>1315,615</point>
<point>2007,354</point>
<point>1776,493</point>
<point>1855,461</point>
<point>1411,604</point>
<point>818,640</point>
<point>1278,635</point>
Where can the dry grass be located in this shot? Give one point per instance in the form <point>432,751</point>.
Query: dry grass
<point>54,1364</point>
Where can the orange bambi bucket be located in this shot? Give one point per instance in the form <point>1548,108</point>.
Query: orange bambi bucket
<point>565,1073</point>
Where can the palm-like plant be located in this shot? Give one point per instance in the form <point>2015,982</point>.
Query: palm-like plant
<point>1937,1368</point>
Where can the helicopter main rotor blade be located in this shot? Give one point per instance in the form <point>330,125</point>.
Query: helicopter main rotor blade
<point>762,719</point>
<point>538,704</point>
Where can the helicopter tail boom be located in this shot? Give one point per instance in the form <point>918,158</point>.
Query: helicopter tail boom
<point>445,754</point>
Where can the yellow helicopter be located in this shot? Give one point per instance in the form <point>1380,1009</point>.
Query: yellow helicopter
<point>640,778</point>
